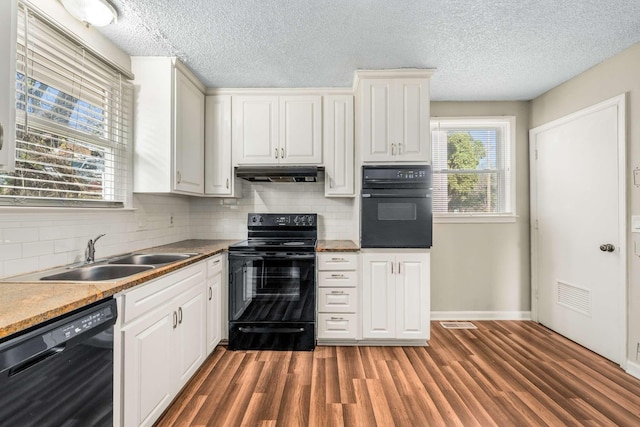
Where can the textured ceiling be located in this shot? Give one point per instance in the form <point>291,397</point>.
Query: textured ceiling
<point>481,49</point>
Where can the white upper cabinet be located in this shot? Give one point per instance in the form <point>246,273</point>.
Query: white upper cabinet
<point>271,130</point>
<point>394,115</point>
<point>8,34</point>
<point>189,135</point>
<point>219,177</point>
<point>300,129</point>
<point>169,127</point>
<point>338,145</point>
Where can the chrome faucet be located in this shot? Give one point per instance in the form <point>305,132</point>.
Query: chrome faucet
<point>91,249</point>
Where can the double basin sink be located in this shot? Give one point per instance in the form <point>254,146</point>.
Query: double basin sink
<point>116,268</point>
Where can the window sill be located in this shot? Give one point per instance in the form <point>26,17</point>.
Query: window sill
<point>7,209</point>
<point>474,219</point>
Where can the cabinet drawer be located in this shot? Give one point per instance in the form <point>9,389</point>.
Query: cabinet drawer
<point>342,279</point>
<point>150,295</point>
<point>337,261</point>
<point>214,265</point>
<point>337,300</point>
<point>337,326</point>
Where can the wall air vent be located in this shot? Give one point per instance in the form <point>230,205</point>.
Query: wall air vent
<point>574,297</point>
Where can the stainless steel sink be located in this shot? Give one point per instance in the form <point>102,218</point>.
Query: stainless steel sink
<point>92,273</point>
<point>150,259</point>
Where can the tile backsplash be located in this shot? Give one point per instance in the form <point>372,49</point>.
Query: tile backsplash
<point>227,218</point>
<point>37,239</point>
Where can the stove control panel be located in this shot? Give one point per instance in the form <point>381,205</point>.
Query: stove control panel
<point>289,220</point>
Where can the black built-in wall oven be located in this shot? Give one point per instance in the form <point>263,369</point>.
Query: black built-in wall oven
<point>396,207</point>
<point>272,288</point>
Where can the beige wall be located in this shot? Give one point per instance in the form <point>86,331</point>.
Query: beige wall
<point>619,74</point>
<point>481,266</point>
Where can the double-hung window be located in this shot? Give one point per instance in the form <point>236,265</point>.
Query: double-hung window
<point>473,167</point>
<point>73,114</point>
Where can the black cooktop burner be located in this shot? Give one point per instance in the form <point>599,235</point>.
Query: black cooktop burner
<point>273,244</point>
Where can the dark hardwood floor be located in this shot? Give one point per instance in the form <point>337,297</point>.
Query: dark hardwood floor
<point>502,374</point>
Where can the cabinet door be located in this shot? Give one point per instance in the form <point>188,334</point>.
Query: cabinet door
<point>148,383</point>
<point>412,296</point>
<point>375,119</point>
<point>255,130</point>
<point>8,34</point>
<point>219,179</point>
<point>300,129</point>
<point>378,296</point>
<point>189,136</point>
<point>338,145</point>
<point>411,136</point>
<point>190,333</point>
<point>214,311</point>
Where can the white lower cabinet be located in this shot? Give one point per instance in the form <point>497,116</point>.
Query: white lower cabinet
<point>337,297</point>
<point>215,280</point>
<point>162,342</point>
<point>396,296</point>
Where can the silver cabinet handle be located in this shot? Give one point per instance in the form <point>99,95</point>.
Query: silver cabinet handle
<point>393,149</point>
<point>175,320</point>
<point>180,315</point>
<point>337,292</point>
<point>337,275</point>
<point>392,264</point>
<point>179,177</point>
<point>338,259</point>
<point>282,153</point>
<point>216,261</point>
<point>227,183</point>
<point>399,148</point>
<point>276,153</point>
<point>1,136</point>
<point>399,268</point>
<point>210,293</point>
<point>337,318</point>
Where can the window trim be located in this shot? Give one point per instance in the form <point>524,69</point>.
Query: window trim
<point>121,185</point>
<point>510,182</point>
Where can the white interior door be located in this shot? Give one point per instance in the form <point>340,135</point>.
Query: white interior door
<point>577,198</point>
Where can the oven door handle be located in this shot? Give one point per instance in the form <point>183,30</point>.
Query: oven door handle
<point>264,329</point>
<point>420,195</point>
<point>273,256</point>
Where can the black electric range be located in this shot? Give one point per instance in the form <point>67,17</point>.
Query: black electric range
<point>272,288</point>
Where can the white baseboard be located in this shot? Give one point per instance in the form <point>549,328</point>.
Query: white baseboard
<point>633,369</point>
<point>480,315</point>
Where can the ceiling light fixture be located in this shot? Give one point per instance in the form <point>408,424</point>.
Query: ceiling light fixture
<point>95,13</point>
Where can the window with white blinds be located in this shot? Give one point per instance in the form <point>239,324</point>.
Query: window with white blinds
<point>72,122</point>
<point>472,166</point>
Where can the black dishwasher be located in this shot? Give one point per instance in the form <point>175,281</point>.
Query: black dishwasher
<point>60,373</point>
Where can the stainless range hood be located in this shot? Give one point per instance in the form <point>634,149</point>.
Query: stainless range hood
<point>278,173</point>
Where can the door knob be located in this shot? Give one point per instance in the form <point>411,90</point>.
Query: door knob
<point>607,247</point>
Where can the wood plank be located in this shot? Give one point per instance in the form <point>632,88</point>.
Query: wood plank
<point>503,373</point>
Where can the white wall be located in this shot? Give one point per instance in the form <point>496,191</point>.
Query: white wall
<point>337,219</point>
<point>612,77</point>
<point>35,239</point>
<point>480,266</point>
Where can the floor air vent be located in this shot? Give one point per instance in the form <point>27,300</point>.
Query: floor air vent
<point>458,325</point>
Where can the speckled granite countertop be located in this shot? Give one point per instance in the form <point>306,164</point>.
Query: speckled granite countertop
<point>26,304</point>
<point>336,246</point>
